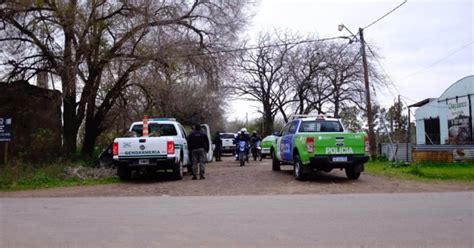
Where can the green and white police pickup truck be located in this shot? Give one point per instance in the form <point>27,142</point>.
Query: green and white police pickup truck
<point>166,148</point>
<point>317,143</point>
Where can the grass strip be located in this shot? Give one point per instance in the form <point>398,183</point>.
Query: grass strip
<point>459,171</point>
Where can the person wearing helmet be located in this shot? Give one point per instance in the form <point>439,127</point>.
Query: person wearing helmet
<point>255,145</point>
<point>242,136</point>
<point>255,137</point>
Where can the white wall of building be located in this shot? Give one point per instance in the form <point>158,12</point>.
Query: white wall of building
<point>437,107</point>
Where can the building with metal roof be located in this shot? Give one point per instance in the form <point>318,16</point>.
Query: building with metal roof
<point>446,123</point>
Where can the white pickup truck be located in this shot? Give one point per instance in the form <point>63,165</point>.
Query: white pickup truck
<point>165,148</point>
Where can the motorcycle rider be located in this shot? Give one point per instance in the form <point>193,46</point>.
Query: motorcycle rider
<point>255,137</point>
<point>242,136</point>
<point>255,141</point>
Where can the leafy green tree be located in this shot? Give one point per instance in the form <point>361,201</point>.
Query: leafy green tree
<point>350,116</point>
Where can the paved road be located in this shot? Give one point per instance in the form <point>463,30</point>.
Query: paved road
<point>351,220</point>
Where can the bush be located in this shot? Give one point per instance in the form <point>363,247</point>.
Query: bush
<point>43,146</point>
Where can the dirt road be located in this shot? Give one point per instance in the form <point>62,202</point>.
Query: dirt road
<point>257,178</point>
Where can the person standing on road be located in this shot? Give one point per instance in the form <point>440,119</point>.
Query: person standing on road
<point>218,146</point>
<point>199,146</point>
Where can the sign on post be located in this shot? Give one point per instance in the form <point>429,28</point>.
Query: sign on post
<point>5,134</point>
<point>5,129</point>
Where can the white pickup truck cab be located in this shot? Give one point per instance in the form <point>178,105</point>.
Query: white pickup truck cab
<point>165,148</point>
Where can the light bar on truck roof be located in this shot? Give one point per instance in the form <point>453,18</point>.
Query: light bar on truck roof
<point>162,119</point>
<point>300,116</point>
<point>317,117</point>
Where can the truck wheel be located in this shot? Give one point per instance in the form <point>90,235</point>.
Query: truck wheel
<point>351,173</point>
<point>275,163</point>
<point>178,170</point>
<point>124,173</point>
<point>297,168</point>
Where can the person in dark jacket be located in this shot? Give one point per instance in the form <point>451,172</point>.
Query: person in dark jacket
<point>198,144</point>
<point>242,136</point>
<point>218,146</point>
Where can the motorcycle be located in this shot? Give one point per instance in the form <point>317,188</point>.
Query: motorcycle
<point>257,151</point>
<point>243,152</point>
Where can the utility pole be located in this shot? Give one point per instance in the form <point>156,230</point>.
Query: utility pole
<point>246,119</point>
<point>372,145</point>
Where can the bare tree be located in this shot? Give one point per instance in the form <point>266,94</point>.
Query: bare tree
<point>79,41</point>
<point>344,74</point>
<point>306,69</point>
<point>263,78</point>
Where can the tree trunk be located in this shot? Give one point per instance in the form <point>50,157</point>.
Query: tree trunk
<point>336,108</point>
<point>268,120</point>
<point>301,107</point>
<point>70,128</point>
<point>92,132</point>
<point>68,80</point>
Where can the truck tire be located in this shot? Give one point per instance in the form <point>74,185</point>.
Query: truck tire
<point>178,170</point>
<point>275,163</point>
<point>297,171</point>
<point>124,173</point>
<point>351,173</point>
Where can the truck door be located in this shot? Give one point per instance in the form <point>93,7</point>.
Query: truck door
<point>207,131</point>
<point>287,141</point>
<point>282,142</point>
<point>185,148</point>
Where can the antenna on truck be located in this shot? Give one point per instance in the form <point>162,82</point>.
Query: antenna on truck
<point>301,116</point>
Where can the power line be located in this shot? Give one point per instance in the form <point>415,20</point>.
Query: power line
<point>383,70</point>
<point>391,81</point>
<point>438,61</point>
<point>388,13</point>
<point>234,50</point>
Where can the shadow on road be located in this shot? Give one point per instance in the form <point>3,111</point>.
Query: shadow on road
<point>152,177</point>
<point>335,176</point>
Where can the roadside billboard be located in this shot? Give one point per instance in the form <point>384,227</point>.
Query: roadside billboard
<point>459,120</point>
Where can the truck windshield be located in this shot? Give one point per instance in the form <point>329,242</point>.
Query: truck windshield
<point>320,126</point>
<point>156,129</point>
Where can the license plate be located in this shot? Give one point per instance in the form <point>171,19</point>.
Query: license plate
<point>143,161</point>
<point>339,159</point>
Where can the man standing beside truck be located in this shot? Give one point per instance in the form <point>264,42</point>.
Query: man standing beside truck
<point>199,146</point>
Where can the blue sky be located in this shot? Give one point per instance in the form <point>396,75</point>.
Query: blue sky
<point>414,41</point>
